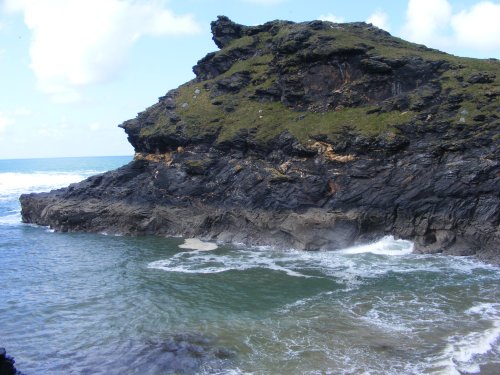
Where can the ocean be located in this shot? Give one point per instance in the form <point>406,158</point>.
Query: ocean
<point>77,303</point>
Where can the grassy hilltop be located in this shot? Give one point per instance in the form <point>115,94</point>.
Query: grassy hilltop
<point>319,80</point>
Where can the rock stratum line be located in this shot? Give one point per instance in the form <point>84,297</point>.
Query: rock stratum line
<point>308,135</point>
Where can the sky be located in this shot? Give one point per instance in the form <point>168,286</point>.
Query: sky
<point>71,71</point>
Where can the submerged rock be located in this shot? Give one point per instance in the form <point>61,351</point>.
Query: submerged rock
<point>183,354</point>
<point>311,135</point>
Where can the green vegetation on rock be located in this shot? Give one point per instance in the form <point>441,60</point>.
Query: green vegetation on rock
<point>318,79</point>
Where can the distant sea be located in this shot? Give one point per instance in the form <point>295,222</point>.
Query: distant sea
<point>76,303</point>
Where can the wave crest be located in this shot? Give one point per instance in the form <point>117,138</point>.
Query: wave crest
<point>18,183</point>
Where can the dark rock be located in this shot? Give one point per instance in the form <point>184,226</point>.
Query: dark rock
<point>224,31</point>
<point>197,166</point>
<point>213,65</point>
<point>374,66</point>
<point>482,78</point>
<point>233,83</point>
<point>455,99</point>
<point>223,353</point>
<point>7,364</point>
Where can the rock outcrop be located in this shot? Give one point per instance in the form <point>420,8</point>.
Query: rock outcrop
<point>312,135</point>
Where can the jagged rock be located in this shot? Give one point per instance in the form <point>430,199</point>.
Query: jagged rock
<point>309,135</point>
<point>224,31</point>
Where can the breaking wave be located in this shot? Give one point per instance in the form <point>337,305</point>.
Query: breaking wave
<point>385,246</point>
<point>19,183</point>
<point>13,184</point>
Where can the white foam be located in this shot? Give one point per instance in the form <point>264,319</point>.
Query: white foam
<point>348,266</point>
<point>460,356</point>
<point>462,353</point>
<point>204,262</point>
<point>475,343</point>
<point>486,310</point>
<point>235,371</point>
<point>385,246</point>
<point>11,219</point>
<point>403,312</point>
<point>292,262</point>
<point>14,184</point>
<point>197,244</point>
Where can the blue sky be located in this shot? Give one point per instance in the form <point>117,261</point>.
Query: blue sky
<point>72,70</point>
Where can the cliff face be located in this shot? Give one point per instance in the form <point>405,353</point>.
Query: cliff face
<point>311,135</point>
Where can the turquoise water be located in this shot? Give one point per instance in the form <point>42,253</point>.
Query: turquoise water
<point>98,304</point>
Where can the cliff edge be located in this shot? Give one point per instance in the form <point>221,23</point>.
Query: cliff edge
<point>310,135</point>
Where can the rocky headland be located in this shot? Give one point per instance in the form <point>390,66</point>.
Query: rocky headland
<point>310,135</point>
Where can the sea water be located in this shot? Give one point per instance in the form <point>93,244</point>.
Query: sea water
<point>97,304</point>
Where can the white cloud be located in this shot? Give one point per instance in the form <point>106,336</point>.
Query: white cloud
<point>425,18</point>
<point>4,122</point>
<point>76,43</point>
<point>57,129</point>
<point>94,126</point>
<point>434,23</point>
<point>331,17</point>
<point>478,27</point>
<point>23,112</point>
<point>379,19</point>
<point>11,117</point>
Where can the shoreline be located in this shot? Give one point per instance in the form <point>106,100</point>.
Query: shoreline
<point>310,230</point>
